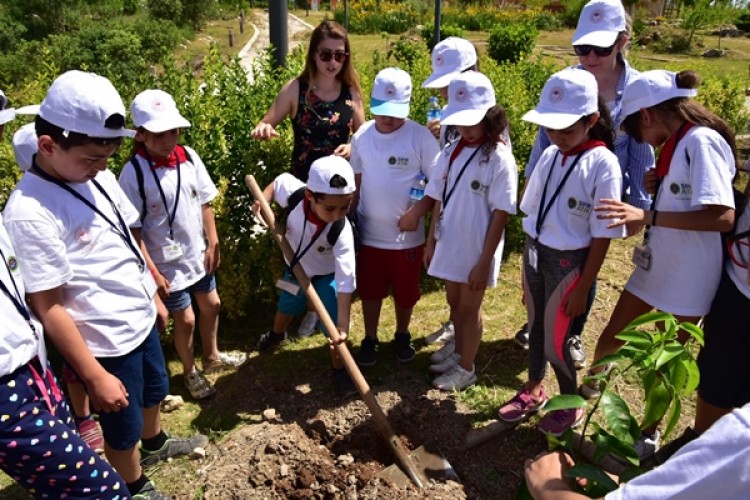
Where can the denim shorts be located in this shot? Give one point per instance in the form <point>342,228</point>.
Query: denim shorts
<point>143,372</point>
<point>325,286</point>
<point>180,299</point>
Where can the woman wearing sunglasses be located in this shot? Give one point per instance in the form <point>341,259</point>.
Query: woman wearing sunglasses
<point>324,102</point>
<point>599,41</point>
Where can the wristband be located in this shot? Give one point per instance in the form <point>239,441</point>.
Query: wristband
<point>154,272</point>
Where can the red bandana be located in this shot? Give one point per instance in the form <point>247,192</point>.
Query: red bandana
<point>310,214</point>
<point>590,144</point>
<point>667,150</point>
<point>178,154</point>
<point>464,143</point>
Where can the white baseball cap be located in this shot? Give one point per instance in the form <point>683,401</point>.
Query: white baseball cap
<point>449,58</point>
<point>599,23</point>
<point>567,96</point>
<point>85,103</point>
<point>651,88</point>
<point>7,114</point>
<point>470,95</point>
<point>391,93</point>
<point>156,111</point>
<point>25,145</point>
<point>322,171</point>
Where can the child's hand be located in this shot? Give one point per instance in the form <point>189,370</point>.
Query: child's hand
<point>429,251</point>
<point>434,126</point>
<point>107,393</point>
<point>575,302</point>
<point>162,285</point>
<point>264,131</point>
<point>478,276</point>
<point>408,222</point>
<point>162,315</point>
<point>650,181</point>
<point>212,258</point>
<point>342,339</point>
<point>621,213</point>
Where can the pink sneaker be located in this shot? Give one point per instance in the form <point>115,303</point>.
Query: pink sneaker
<point>91,433</point>
<point>522,406</point>
<point>558,421</point>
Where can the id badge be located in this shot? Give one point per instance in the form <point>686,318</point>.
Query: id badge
<point>149,285</point>
<point>287,286</point>
<point>533,257</point>
<point>438,228</point>
<point>642,257</point>
<point>172,251</point>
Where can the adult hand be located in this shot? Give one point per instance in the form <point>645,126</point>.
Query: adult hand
<point>264,131</point>
<point>344,150</point>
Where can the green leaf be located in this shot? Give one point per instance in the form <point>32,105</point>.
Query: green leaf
<point>635,337</point>
<point>617,415</point>
<point>565,402</point>
<point>618,447</point>
<point>694,331</point>
<point>657,403</point>
<point>610,359</point>
<point>592,473</point>
<point>694,376</point>
<point>523,493</point>
<point>651,317</point>
<point>670,352</point>
<point>678,374</point>
<point>674,417</point>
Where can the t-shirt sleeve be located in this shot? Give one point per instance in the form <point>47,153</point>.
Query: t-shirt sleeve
<point>206,188</point>
<point>129,184</point>
<point>283,187</point>
<point>40,247</point>
<point>345,261</point>
<point>435,187</point>
<point>355,160</point>
<point>504,187</point>
<point>607,184</point>
<point>711,171</point>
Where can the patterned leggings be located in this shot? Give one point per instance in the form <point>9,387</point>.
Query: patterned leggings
<point>39,446</point>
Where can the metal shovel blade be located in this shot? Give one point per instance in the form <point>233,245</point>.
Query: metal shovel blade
<point>429,463</point>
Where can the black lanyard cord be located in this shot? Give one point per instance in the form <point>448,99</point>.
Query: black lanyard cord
<point>297,257</point>
<point>446,193</point>
<point>16,298</point>
<point>170,218</point>
<point>122,230</point>
<point>544,209</point>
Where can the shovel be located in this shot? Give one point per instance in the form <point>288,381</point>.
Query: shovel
<point>422,464</point>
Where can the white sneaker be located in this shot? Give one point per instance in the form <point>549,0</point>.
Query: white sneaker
<point>455,379</point>
<point>308,325</point>
<point>448,363</point>
<point>577,353</point>
<point>443,334</point>
<point>442,354</point>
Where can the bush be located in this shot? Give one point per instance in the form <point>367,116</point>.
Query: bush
<point>743,21</point>
<point>377,16</point>
<point>510,42</point>
<point>446,30</point>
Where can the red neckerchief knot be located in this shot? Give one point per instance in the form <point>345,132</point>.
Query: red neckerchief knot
<point>667,150</point>
<point>462,143</point>
<point>177,156</point>
<point>590,144</point>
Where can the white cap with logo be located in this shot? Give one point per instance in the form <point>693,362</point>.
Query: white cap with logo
<point>567,96</point>
<point>324,169</point>
<point>156,111</point>
<point>470,95</point>
<point>25,145</point>
<point>651,88</point>
<point>391,93</point>
<point>599,23</point>
<point>85,103</point>
<point>449,58</point>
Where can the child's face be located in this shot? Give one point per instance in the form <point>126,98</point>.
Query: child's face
<point>387,124</point>
<point>76,164</point>
<point>330,207</point>
<point>575,135</point>
<point>159,145</point>
<point>472,134</point>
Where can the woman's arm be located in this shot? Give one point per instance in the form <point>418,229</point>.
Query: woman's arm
<point>284,105</point>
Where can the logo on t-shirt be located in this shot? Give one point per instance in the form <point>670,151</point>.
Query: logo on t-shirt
<point>398,162</point>
<point>681,191</point>
<point>12,263</point>
<point>578,207</point>
<point>478,188</point>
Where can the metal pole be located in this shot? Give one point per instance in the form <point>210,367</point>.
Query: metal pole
<point>346,15</point>
<point>437,22</point>
<point>277,26</point>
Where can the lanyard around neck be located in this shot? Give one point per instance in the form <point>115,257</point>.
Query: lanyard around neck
<point>16,297</point>
<point>447,194</point>
<point>170,217</point>
<point>300,252</point>
<point>122,230</point>
<point>544,209</point>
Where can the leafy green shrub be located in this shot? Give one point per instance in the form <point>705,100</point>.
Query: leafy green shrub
<point>130,7</point>
<point>446,30</point>
<point>672,42</point>
<point>510,42</point>
<point>377,16</point>
<point>164,9</point>
<point>572,12</point>
<point>743,21</point>
<point>725,96</point>
<point>548,21</point>
<point>405,51</point>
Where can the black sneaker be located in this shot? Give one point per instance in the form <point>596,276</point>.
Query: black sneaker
<point>665,452</point>
<point>149,492</point>
<point>269,340</point>
<point>173,447</point>
<point>522,337</point>
<point>404,348</point>
<point>368,352</point>
<point>342,383</point>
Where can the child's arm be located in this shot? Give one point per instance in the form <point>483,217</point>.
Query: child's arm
<point>213,255</point>
<point>481,271</point>
<point>106,391</point>
<point>410,220</point>
<point>268,195</point>
<point>575,302</point>
<point>429,246</point>
<point>344,304</point>
<point>162,283</point>
<point>706,218</point>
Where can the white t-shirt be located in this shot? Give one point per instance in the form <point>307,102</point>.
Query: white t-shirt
<point>741,251</point>
<point>196,189</point>
<point>571,222</point>
<point>64,243</point>
<point>321,258</point>
<point>716,465</point>
<point>686,265</point>
<point>389,165</point>
<point>18,344</point>
<point>484,187</point>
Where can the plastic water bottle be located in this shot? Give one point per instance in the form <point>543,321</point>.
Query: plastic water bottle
<point>416,192</point>
<point>434,111</point>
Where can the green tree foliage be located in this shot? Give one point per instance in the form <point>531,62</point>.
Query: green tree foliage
<point>43,17</point>
<point>510,42</point>
<point>704,14</point>
<point>446,30</point>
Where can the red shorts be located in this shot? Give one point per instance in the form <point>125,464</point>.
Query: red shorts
<point>401,269</point>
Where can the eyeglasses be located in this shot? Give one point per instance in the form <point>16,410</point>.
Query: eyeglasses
<point>328,54</point>
<point>584,50</point>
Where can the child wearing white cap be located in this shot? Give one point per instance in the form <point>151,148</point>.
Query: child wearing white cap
<point>170,187</point>
<point>599,42</point>
<point>86,278</point>
<point>474,188</point>
<point>693,203</point>
<point>566,243</point>
<point>390,154</point>
<point>36,426</point>
<point>320,235</point>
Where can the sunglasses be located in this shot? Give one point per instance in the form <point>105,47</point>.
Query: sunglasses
<point>584,50</point>
<point>326,55</point>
